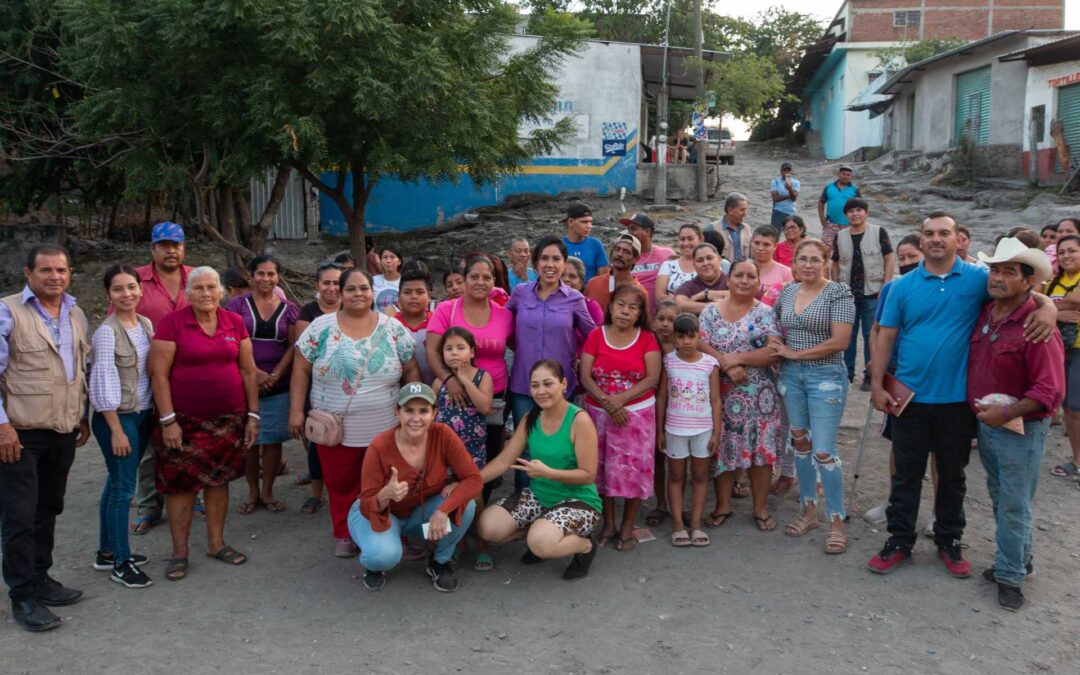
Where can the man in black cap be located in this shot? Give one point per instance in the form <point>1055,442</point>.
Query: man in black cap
<point>652,256</point>
<point>785,190</point>
<point>579,244</point>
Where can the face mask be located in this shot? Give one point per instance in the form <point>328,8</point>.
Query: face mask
<point>904,269</point>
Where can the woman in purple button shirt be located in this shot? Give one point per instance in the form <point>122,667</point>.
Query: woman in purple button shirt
<point>547,316</point>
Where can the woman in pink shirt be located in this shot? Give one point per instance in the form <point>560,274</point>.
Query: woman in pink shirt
<point>794,231</point>
<point>491,324</point>
<point>203,375</point>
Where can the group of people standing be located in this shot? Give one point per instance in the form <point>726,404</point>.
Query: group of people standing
<point>614,365</point>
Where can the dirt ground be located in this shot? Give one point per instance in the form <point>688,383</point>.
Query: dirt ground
<point>751,602</point>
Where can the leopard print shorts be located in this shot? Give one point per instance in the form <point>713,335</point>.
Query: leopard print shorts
<point>570,516</point>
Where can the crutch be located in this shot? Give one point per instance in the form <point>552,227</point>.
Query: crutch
<point>858,458</point>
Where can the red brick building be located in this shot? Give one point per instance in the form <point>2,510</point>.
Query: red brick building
<point>900,20</point>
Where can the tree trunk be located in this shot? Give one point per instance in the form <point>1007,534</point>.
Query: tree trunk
<point>227,222</point>
<point>357,219</point>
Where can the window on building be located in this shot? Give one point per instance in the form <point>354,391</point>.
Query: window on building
<point>907,19</point>
<point>1038,123</point>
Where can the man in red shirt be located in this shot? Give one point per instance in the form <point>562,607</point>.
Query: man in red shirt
<point>163,282</point>
<point>1013,386</point>
<point>624,253</point>
<point>652,257</point>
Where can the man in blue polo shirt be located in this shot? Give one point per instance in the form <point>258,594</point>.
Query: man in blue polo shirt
<point>579,222</point>
<point>928,316</point>
<point>830,208</point>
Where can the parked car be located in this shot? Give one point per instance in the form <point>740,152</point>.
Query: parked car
<point>721,145</point>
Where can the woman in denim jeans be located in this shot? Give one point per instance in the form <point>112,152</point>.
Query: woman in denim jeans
<point>815,315</point>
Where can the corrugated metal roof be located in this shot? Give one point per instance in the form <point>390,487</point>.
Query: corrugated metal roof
<point>1065,49</point>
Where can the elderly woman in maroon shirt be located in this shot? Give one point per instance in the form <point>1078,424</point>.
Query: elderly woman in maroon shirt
<point>203,376</point>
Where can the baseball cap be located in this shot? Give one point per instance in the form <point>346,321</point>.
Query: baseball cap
<point>415,390</point>
<point>786,165</point>
<point>639,219</point>
<point>630,239</point>
<point>167,232</point>
<point>846,167</point>
<point>578,210</point>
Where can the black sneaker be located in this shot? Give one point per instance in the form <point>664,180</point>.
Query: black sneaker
<point>530,558</point>
<point>104,562</point>
<point>127,574</point>
<point>579,564</point>
<point>52,593</point>
<point>442,576</point>
<point>1010,597</point>
<point>374,581</point>
<point>988,573</point>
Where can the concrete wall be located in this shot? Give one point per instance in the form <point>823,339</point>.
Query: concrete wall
<point>1040,91</point>
<point>839,82</point>
<point>826,103</point>
<point>600,89</point>
<point>872,20</point>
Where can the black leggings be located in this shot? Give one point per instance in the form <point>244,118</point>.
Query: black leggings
<point>494,442</point>
<point>313,465</point>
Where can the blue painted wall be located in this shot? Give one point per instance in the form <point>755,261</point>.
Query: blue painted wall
<point>828,115</point>
<point>396,206</point>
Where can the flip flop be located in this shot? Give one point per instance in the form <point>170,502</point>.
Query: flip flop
<point>603,539</point>
<point>714,520</point>
<point>246,508</point>
<point>655,517</point>
<point>740,489</point>
<point>699,538</point>
<point>176,568</point>
<point>484,562</point>
<point>311,505</point>
<point>1065,470</point>
<point>781,486</point>
<point>303,479</point>
<point>627,544</point>
<point>681,539</point>
<point>273,506</point>
<point>199,511</point>
<point>228,554</point>
<point>144,524</point>
<point>766,524</point>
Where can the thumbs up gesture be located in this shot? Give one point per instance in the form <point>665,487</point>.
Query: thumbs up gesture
<point>395,490</point>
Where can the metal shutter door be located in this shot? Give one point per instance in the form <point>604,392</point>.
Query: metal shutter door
<point>1068,113</point>
<point>973,106</point>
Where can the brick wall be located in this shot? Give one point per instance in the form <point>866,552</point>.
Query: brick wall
<point>872,20</point>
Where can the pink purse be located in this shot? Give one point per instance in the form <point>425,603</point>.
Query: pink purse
<point>326,428</point>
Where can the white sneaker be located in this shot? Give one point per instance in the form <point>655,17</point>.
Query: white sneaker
<point>929,531</point>
<point>876,515</point>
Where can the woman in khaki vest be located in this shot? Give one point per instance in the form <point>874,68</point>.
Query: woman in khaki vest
<point>121,399</point>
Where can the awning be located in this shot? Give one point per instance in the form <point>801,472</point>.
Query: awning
<point>682,78</point>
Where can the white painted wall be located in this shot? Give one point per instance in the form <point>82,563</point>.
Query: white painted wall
<point>1039,92</point>
<point>859,130</point>
<point>600,85</point>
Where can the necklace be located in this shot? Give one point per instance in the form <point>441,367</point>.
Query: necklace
<point>992,328</point>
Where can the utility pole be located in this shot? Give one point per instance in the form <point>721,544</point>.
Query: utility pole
<point>702,144</point>
<point>660,187</point>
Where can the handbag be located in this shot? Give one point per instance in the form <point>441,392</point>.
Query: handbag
<point>326,428</point>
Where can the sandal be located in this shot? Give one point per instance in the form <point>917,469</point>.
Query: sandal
<point>176,568</point>
<point>604,538</point>
<point>699,539</point>
<point>246,508</point>
<point>740,489</point>
<point>484,562</point>
<point>627,544</point>
<point>715,520</point>
<point>1065,470</point>
<point>273,506</point>
<point>782,485</point>
<point>835,542</point>
<point>680,539</point>
<point>144,524</point>
<point>228,554</point>
<point>655,517</point>
<point>766,524</point>
<point>199,511</point>
<point>311,505</point>
<point>801,526</point>
<point>303,479</point>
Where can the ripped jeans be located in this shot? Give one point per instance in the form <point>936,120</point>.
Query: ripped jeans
<point>814,397</point>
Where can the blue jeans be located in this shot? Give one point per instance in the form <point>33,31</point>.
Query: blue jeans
<point>814,397</point>
<point>381,551</point>
<point>865,309</point>
<point>1012,474</point>
<point>120,482</point>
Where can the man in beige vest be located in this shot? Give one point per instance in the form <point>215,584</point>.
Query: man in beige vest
<point>863,259</point>
<point>43,352</point>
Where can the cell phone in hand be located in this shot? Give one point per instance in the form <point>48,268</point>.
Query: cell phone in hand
<point>424,528</point>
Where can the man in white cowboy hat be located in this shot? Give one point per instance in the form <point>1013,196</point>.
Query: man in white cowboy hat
<point>1013,387</point>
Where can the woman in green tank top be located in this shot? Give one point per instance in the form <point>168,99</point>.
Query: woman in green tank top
<point>559,510</point>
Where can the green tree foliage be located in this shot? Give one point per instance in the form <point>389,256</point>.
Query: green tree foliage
<point>895,58</point>
<point>745,87</point>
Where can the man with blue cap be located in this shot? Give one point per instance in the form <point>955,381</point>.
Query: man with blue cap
<point>163,282</point>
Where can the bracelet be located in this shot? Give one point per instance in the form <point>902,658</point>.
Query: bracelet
<point>169,423</point>
<point>254,415</point>
<point>167,418</point>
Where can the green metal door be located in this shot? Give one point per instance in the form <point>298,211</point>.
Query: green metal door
<point>972,118</point>
<point>1068,113</point>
